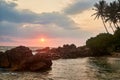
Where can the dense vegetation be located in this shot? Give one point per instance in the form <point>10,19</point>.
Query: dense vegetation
<point>109,13</point>
<point>99,45</point>
<point>105,43</point>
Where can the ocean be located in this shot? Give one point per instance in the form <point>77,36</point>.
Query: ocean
<point>4,48</point>
<point>88,68</point>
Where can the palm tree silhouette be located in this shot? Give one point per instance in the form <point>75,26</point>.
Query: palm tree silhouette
<point>118,12</point>
<point>111,13</point>
<point>100,12</point>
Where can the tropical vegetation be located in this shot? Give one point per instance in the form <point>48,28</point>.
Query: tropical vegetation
<point>105,43</point>
<point>109,13</point>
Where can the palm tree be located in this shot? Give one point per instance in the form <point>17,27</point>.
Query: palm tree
<point>100,12</point>
<point>118,11</point>
<point>111,13</point>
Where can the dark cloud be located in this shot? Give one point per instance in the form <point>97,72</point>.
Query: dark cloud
<point>7,29</point>
<point>78,7</point>
<point>54,25</point>
<point>8,12</point>
<point>58,19</point>
<point>33,31</point>
<point>16,30</point>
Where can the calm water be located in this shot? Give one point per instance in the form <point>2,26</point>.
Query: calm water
<point>72,69</point>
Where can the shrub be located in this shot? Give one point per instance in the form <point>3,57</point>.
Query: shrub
<point>117,40</point>
<point>101,44</point>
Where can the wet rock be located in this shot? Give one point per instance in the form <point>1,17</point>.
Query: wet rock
<point>16,55</point>
<point>22,59</point>
<point>4,62</point>
<point>1,53</point>
<point>44,50</point>
<point>36,63</point>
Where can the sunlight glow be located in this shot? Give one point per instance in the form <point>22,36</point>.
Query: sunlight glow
<point>42,40</point>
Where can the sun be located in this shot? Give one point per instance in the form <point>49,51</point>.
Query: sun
<point>42,40</point>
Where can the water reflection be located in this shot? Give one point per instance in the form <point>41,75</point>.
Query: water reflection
<point>106,68</point>
<point>86,69</point>
<point>72,69</point>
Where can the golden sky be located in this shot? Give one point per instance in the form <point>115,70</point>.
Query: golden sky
<point>25,22</point>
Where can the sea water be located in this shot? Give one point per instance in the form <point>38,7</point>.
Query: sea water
<point>89,68</point>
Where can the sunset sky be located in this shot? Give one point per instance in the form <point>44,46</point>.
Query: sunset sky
<point>47,22</point>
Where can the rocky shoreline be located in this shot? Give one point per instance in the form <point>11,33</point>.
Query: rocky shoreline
<point>22,59</point>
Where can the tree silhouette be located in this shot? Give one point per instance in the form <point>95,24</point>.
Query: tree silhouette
<point>109,13</point>
<point>100,8</point>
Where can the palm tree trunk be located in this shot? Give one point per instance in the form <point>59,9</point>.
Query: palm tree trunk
<point>111,27</point>
<point>115,25</point>
<point>105,25</point>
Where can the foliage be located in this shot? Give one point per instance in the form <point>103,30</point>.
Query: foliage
<point>100,44</point>
<point>109,13</point>
<point>104,43</point>
<point>117,40</point>
<point>100,10</point>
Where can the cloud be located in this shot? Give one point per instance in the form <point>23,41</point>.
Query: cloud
<point>8,12</point>
<point>11,14</point>
<point>24,24</point>
<point>8,28</point>
<point>57,19</point>
<point>29,31</point>
<point>16,30</point>
<point>6,39</point>
<point>15,0</point>
<point>78,7</point>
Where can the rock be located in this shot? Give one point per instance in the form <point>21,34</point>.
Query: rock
<point>37,66</point>
<point>1,53</point>
<point>22,59</point>
<point>44,50</point>
<point>4,62</point>
<point>36,63</point>
<point>16,55</point>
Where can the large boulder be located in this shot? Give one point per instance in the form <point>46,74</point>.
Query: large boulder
<point>22,59</point>
<point>4,62</point>
<point>16,55</point>
<point>37,62</point>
